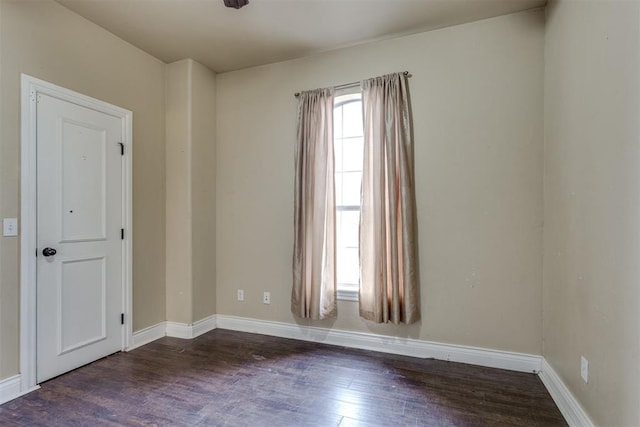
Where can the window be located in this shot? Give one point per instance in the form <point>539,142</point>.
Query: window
<point>348,150</point>
<point>373,204</point>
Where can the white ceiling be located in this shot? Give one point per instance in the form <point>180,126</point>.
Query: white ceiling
<point>268,31</point>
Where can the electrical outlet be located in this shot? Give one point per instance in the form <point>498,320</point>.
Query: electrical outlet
<point>266,298</point>
<point>584,369</point>
<point>240,295</point>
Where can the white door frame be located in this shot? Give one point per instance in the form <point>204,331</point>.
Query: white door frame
<point>31,87</point>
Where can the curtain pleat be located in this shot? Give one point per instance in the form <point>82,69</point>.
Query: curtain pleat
<point>314,254</point>
<point>388,275</point>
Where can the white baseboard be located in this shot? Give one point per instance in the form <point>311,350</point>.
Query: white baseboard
<point>173,329</point>
<point>183,330</point>
<point>146,335</point>
<point>572,411</point>
<point>204,325</point>
<point>404,346</point>
<point>178,330</point>
<point>11,388</point>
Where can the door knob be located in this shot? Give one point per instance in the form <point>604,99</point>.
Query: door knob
<point>48,252</point>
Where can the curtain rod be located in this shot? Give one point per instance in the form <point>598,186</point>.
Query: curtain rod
<point>352,84</point>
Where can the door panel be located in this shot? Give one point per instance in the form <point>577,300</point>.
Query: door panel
<point>83,202</point>
<point>79,214</point>
<point>82,289</point>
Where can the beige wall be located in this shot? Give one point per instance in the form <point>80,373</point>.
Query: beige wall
<point>45,40</point>
<point>190,203</point>
<point>477,95</point>
<point>203,192</point>
<point>477,105</point>
<point>178,187</point>
<point>591,302</point>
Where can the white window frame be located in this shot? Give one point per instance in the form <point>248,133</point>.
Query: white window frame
<point>343,97</point>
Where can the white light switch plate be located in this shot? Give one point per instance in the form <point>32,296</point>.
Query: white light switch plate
<point>10,226</point>
<point>584,369</point>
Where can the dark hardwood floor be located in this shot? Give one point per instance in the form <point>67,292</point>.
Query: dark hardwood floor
<point>226,378</point>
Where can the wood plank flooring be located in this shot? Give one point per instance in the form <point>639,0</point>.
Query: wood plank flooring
<point>226,378</point>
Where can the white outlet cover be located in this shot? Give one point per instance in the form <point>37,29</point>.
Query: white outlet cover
<point>240,295</point>
<point>10,226</point>
<point>584,369</point>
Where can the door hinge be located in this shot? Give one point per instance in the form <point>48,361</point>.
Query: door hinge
<point>121,148</point>
<point>122,234</point>
<point>122,318</point>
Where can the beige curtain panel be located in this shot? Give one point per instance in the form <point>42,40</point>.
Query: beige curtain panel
<point>314,253</point>
<point>388,278</point>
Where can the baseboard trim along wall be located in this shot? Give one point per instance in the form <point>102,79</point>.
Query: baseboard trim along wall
<point>180,330</point>
<point>147,335</point>
<point>386,344</point>
<point>572,411</point>
<point>566,401</point>
<point>172,329</point>
<point>11,388</point>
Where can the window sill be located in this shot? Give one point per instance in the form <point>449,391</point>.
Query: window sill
<point>347,295</point>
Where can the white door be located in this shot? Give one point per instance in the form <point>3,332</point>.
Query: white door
<point>80,213</point>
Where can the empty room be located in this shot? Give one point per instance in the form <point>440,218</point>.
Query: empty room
<point>320,212</point>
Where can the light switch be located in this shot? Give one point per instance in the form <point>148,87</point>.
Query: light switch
<point>10,226</point>
<point>584,369</point>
